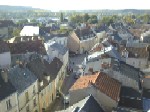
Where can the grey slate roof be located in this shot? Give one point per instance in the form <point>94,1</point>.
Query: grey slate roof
<point>60,48</point>
<point>126,70</point>
<point>21,78</point>
<point>130,98</point>
<point>88,104</point>
<point>92,105</point>
<point>6,89</point>
<point>41,68</point>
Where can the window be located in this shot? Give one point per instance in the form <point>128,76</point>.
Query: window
<point>34,89</point>
<point>9,106</point>
<point>27,108</point>
<point>34,102</point>
<point>27,97</point>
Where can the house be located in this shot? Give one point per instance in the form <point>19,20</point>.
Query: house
<point>126,74</point>
<point>50,77</point>
<point>6,27</point>
<point>104,89</point>
<point>57,50</point>
<point>26,85</point>
<point>137,56</point>
<point>58,38</point>
<point>88,104</point>
<point>5,57</point>
<point>30,31</point>
<point>82,40</point>
<point>8,94</point>
<point>130,98</point>
<point>97,64</point>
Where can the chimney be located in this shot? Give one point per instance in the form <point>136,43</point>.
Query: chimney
<point>4,75</point>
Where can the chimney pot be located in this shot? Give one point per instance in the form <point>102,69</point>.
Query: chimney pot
<point>4,75</point>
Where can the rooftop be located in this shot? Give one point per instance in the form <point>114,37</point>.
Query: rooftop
<point>84,33</point>
<point>21,78</point>
<point>84,81</point>
<point>135,52</point>
<point>6,23</point>
<point>24,47</point>
<point>130,98</point>
<point>102,82</point>
<point>60,48</point>
<point>3,46</point>
<point>42,68</point>
<point>6,88</point>
<point>88,104</point>
<point>108,86</point>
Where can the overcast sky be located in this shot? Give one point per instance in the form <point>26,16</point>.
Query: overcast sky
<point>56,5</point>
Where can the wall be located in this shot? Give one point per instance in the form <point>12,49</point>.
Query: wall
<point>47,96</point>
<point>73,43</point>
<point>61,40</point>
<point>106,102</point>
<point>137,62</point>
<point>146,83</point>
<point>77,95</point>
<point>13,101</point>
<point>22,99</point>
<point>87,45</point>
<point>124,79</point>
<point>96,65</point>
<point>5,59</point>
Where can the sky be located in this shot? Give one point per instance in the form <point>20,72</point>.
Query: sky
<point>56,5</point>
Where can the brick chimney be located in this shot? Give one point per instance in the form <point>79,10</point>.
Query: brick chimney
<point>4,75</point>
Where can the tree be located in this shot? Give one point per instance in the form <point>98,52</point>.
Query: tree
<point>16,32</point>
<point>129,20</point>
<point>86,17</point>
<point>61,17</point>
<point>93,19</point>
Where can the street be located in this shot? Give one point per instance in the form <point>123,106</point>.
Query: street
<point>68,82</point>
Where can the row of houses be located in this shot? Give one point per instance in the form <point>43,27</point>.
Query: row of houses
<point>116,76</point>
<point>31,76</point>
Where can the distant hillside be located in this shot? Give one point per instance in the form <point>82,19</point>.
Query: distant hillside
<point>15,8</point>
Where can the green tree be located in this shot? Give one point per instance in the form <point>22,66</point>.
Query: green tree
<point>61,17</point>
<point>129,20</point>
<point>93,19</point>
<point>16,32</point>
<point>86,17</point>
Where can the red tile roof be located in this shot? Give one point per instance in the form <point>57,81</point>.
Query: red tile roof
<point>108,86</point>
<point>83,81</point>
<point>102,82</point>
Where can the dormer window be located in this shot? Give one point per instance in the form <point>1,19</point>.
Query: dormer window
<point>41,83</point>
<point>48,78</point>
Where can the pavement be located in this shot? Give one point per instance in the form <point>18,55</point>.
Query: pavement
<point>68,82</point>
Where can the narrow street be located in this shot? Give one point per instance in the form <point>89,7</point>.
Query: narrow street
<point>68,82</point>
